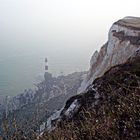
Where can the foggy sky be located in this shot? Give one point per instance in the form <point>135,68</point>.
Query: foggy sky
<point>77,27</point>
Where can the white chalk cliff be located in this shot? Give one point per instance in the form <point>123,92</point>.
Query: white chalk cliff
<point>123,42</point>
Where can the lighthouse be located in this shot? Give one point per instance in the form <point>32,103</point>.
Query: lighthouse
<point>46,64</point>
<point>47,75</point>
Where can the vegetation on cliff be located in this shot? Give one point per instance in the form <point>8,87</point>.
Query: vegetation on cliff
<point>113,115</point>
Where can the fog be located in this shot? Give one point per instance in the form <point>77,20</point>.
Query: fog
<point>65,31</point>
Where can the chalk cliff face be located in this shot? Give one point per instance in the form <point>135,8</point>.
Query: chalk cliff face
<point>123,41</point>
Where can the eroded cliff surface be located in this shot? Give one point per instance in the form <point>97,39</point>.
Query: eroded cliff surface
<point>123,41</point>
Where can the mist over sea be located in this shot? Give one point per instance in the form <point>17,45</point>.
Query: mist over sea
<point>23,51</point>
<point>32,30</point>
<point>21,68</point>
<point>67,32</point>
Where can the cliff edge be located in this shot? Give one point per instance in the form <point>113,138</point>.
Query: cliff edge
<point>123,42</point>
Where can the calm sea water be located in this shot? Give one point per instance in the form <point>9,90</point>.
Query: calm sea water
<point>18,72</point>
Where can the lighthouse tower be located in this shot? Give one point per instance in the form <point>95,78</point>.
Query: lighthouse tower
<point>47,75</point>
<point>46,65</point>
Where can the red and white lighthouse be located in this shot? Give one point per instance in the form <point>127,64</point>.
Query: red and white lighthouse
<point>46,64</point>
